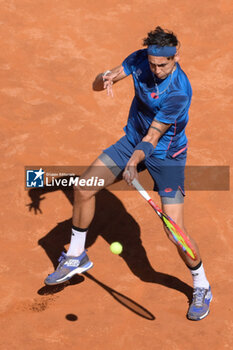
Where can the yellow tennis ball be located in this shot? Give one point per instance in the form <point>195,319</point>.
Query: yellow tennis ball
<point>116,248</point>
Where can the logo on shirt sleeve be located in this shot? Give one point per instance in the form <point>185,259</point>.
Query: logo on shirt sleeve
<point>138,72</point>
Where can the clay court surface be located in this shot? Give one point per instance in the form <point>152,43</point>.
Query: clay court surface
<point>51,52</point>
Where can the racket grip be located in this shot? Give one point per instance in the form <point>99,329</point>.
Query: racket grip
<point>140,189</point>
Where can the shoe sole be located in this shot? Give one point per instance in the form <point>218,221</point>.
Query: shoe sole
<point>79,270</point>
<point>203,316</point>
<point>200,318</point>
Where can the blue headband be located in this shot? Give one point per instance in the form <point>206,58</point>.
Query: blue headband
<point>161,51</point>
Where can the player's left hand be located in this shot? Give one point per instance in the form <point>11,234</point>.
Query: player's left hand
<point>108,80</point>
<point>108,86</point>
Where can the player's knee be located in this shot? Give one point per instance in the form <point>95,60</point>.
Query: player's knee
<point>81,194</point>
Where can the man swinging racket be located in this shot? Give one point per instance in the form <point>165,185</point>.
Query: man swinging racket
<point>154,139</point>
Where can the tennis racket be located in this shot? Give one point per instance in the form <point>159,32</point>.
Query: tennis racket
<point>180,238</point>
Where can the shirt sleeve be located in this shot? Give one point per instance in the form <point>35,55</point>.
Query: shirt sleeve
<point>130,62</point>
<point>172,108</point>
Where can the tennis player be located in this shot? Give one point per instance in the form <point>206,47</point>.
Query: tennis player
<point>154,139</point>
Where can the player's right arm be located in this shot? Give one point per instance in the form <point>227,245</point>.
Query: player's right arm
<point>104,81</point>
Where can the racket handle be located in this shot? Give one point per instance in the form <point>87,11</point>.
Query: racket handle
<point>140,189</point>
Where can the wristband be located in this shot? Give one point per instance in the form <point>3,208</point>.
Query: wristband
<point>105,73</point>
<point>146,147</point>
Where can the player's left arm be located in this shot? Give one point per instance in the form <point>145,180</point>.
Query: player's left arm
<point>106,80</point>
<point>156,130</point>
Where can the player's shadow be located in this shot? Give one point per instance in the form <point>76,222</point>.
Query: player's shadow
<point>112,223</point>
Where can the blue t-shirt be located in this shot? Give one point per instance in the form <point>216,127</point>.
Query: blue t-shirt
<point>171,107</point>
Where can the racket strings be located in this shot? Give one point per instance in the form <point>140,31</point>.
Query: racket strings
<point>184,244</point>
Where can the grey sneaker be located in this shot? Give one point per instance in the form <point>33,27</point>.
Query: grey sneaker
<point>68,267</point>
<point>200,306</point>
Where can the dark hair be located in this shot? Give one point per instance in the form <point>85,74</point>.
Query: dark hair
<point>160,37</point>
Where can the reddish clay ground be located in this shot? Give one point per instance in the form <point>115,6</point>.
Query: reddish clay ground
<point>50,53</point>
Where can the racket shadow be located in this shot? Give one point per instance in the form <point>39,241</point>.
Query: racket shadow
<point>124,300</point>
<point>113,223</point>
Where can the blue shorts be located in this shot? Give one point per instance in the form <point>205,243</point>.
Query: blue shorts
<point>168,173</point>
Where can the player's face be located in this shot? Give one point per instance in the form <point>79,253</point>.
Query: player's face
<point>161,66</point>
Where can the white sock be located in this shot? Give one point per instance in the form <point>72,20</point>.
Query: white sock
<point>199,277</point>
<point>77,242</point>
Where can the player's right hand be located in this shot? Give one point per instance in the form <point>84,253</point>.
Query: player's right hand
<point>130,173</point>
